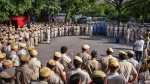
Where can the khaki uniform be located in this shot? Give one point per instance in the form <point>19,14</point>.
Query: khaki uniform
<point>52,32</point>
<point>48,35</point>
<point>27,36</point>
<point>85,57</point>
<point>8,76</point>
<point>24,74</point>
<point>105,61</point>
<point>39,39</point>
<point>41,34</point>
<point>36,38</point>
<point>127,35</point>
<point>59,67</point>
<point>55,32</point>
<point>32,39</point>
<point>63,31</point>
<point>92,66</point>
<point>87,30</point>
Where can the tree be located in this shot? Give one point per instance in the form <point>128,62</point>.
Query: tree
<point>73,7</point>
<point>52,6</point>
<point>139,9</point>
<point>21,6</point>
<point>6,7</point>
<point>119,6</point>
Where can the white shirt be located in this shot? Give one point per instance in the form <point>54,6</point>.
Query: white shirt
<point>85,78</point>
<point>126,69</point>
<point>14,57</point>
<point>134,62</point>
<point>22,52</point>
<point>35,65</point>
<point>66,58</point>
<point>139,45</point>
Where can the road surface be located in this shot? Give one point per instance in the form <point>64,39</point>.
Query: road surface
<point>74,43</point>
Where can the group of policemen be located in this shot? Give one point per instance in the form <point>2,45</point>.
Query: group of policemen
<point>19,63</point>
<point>126,32</point>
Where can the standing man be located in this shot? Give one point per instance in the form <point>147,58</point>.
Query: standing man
<point>59,67</point>
<point>24,73</point>
<point>132,60</point>
<point>48,34</point>
<point>35,37</point>
<point>8,75</point>
<point>85,55</point>
<point>93,64</point>
<point>13,55</point>
<point>85,78</point>
<point>66,60</point>
<point>138,48</point>
<point>126,69</point>
<point>34,63</point>
<point>45,74</point>
<point>114,77</point>
<point>105,59</point>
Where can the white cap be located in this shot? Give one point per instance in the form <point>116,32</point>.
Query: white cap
<point>86,46</point>
<point>78,59</point>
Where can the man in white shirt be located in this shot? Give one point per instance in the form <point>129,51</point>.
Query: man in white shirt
<point>138,48</point>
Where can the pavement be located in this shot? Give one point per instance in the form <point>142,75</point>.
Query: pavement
<point>74,44</point>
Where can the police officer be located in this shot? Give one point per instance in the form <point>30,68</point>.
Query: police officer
<point>48,34</point>
<point>93,64</point>
<point>24,73</point>
<point>98,77</point>
<point>8,74</point>
<point>105,59</point>
<point>85,78</point>
<point>126,68</point>
<point>34,63</point>
<point>65,60</point>
<point>85,53</point>
<point>114,77</point>
<point>59,67</point>
<point>13,55</point>
<point>45,74</point>
<point>55,78</point>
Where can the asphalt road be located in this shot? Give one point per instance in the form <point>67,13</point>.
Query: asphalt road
<point>74,43</point>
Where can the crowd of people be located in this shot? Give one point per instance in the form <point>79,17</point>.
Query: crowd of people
<point>19,63</point>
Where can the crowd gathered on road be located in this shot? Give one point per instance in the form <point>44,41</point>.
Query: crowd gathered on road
<point>19,63</point>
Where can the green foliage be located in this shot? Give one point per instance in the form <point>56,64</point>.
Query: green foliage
<point>6,7</point>
<point>72,7</point>
<point>140,9</point>
<point>52,6</point>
